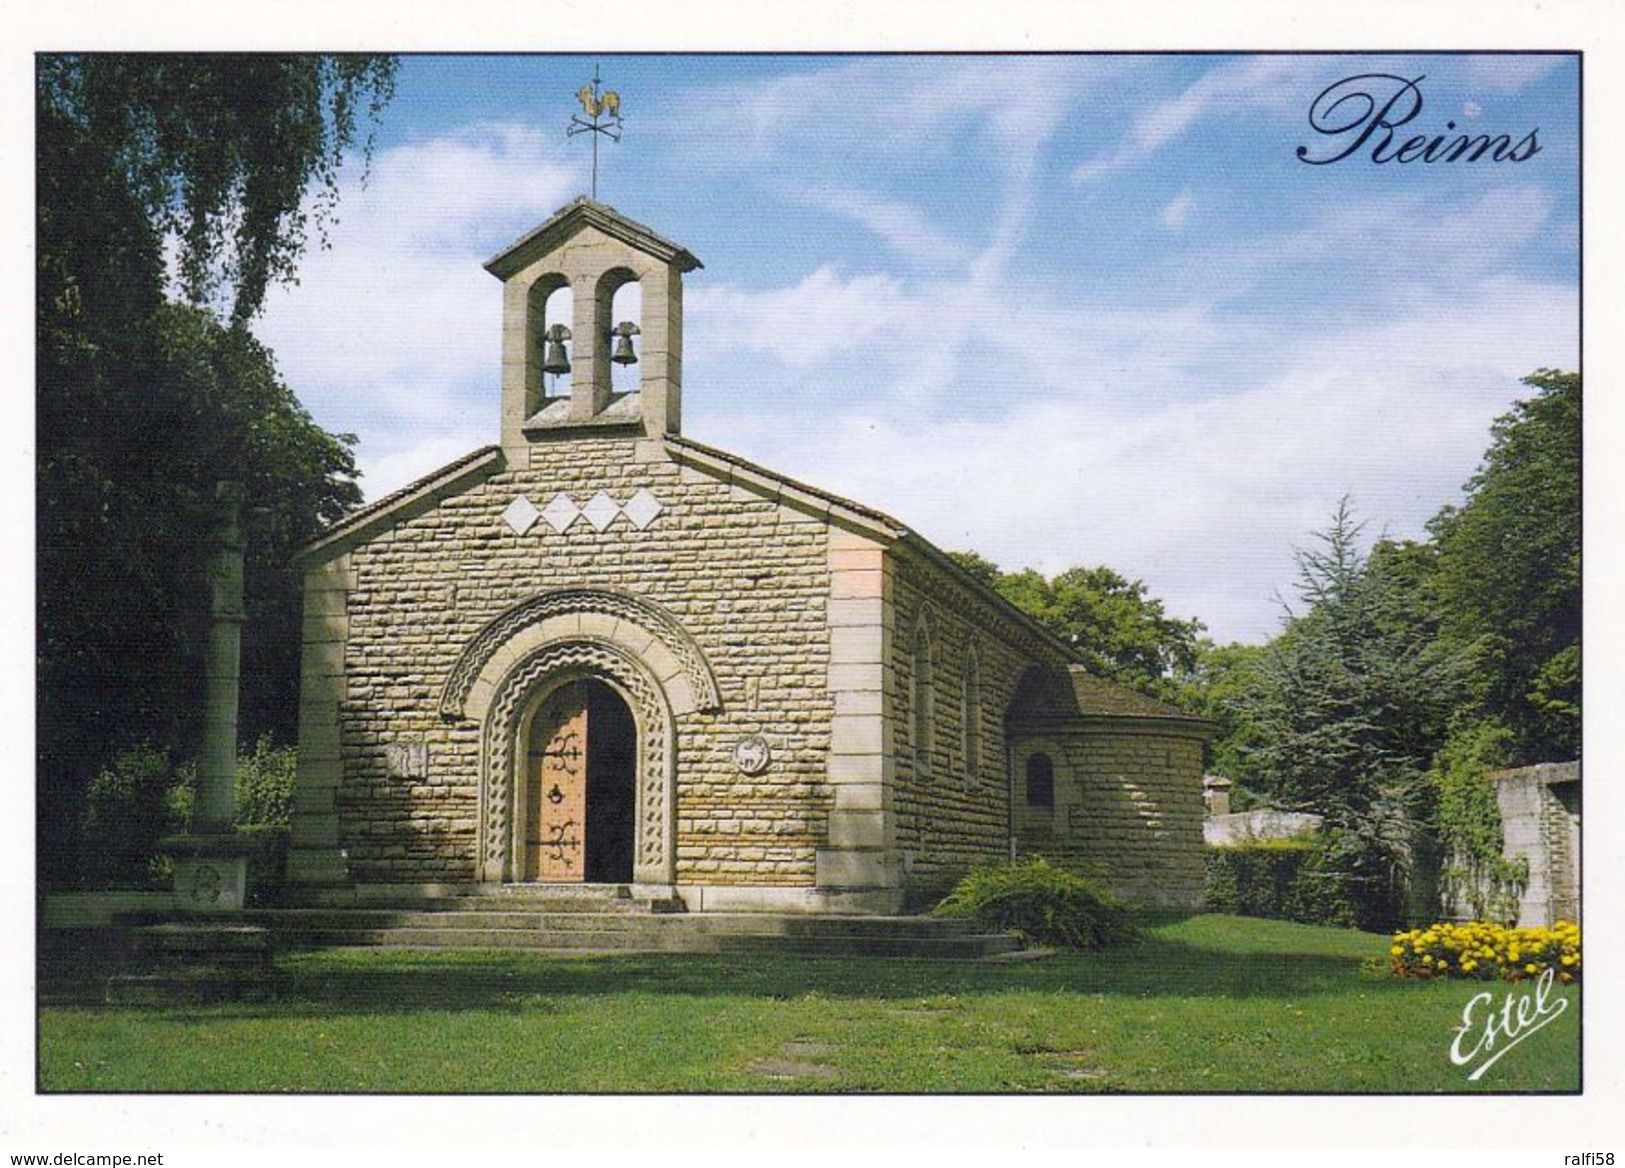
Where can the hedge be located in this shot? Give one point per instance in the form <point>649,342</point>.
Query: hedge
<point>1287,880</point>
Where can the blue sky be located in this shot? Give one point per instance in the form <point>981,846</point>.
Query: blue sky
<point>1058,309</point>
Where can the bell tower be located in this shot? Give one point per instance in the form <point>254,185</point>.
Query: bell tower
<point>592,251</point>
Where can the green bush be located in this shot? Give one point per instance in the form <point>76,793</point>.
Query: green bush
<point>144,796</point>
<point>1289,880</point>
<point>1040,903</point>
<point>1476,875</point>
<point>265,782</point>
<point>129,806</point>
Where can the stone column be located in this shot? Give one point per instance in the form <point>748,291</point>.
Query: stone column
<point>861,852</point>
<point>210,861</point>
<point>215,809</point>
<point>315,859</point>
<point>589,357</point>
<point>662,379</point>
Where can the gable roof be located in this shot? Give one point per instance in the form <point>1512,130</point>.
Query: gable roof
<point>419,496</point>
<point>410,500</point>
<point>812,500</point>
<point>742,472</point>
<point>575,216</point>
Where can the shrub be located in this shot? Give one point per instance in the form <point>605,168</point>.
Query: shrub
<point>1485,951</point>
<point>1041,904</point>
<point>265,782</point>
<point>143,796</point>
<point>1285,879</point>
<point>130,805</point>
<point>1477,878</point>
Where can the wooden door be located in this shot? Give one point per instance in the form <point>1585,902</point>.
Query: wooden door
<point>556,788</point>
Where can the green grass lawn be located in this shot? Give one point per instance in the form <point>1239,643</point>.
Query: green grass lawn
<point>1211,1003</point>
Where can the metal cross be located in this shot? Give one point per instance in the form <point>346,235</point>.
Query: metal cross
<point>604,110</point>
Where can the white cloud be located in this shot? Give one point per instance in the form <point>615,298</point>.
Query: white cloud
<point>1499,73</point>
<point>905,229</point>
<point>394,329</point>
<point>1177,212</point>
<point>889,109</point>
<point>1393,245</point>
<point>1203,494</point>
<point>813,322</point>
<point>990,118</point>
<point>415,453</point>
<point>1276,84</point>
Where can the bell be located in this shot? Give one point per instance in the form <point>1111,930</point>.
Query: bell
<point>556,361</point>
<point>623,354</point>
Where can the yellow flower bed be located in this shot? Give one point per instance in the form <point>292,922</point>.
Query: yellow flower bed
<point>1478,949</point>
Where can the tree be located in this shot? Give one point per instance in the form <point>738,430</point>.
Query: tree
<point>1509,578</point>
<point>123,511</point>
<point>1215,690</point>
<point>1349,704</point>
<point>1119,630</point>
<point>218,151</point>
<point>142,405</point>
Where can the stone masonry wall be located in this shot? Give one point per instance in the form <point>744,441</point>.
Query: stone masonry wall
<point>746,577</point>
<point>1537,825</point>
<point>1128,807</point>
<point>953,813</point>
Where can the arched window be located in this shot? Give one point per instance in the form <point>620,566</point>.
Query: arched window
<point>626,308</point>
<point>921,699</point>
<point>1040,781</point>
<point>555,340</point>
<point>973,717</point>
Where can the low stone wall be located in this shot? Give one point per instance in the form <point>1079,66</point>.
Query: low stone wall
<point>1540,820</point>
<point>1540,824</point>
<point>1264,823</point>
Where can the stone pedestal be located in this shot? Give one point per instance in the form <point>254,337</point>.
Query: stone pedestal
<point>211,871</point>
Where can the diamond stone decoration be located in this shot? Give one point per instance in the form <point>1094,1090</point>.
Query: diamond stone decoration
<point>642,508</point>
<point>520,515</point>
<point>561,512</point>
<point>601,510</point>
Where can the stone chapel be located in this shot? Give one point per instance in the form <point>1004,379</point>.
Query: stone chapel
<point>601,652</point>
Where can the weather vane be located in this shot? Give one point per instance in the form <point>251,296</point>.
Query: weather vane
<point>604,110</point>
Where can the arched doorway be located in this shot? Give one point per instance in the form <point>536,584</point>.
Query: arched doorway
<point>580,787</point>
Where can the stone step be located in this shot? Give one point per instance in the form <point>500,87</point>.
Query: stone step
<point>961,947</point>
<point>606,920</point>
<point>401,918</point>
<point>552,898</point>
<point>550,903</point>
<point>635,932</point>
<point>773,925</point>
<point>585,940</point>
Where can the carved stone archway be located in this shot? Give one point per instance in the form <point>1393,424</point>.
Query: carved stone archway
<point>518,694</point>
<point>530,650</point>
<point>647,630</point>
